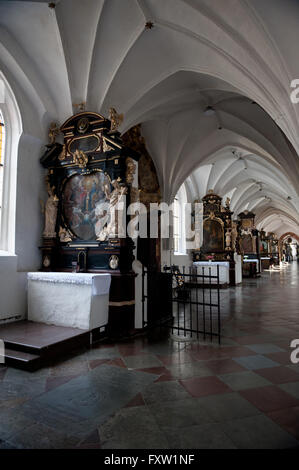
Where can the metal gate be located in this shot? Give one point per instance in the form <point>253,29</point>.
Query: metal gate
<point>185,300</point>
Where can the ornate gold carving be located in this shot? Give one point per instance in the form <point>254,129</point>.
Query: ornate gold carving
<point>106,147</point>
<point>80,106</point>
<point>53,132</point>
<point>62,154</point>
<point>65,235</point>
<point>130,172</point>
<point>83,125</point>
<point>80,158</point>
<point>116,120</point>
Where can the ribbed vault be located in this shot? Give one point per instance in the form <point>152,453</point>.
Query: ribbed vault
<point>232,55</point>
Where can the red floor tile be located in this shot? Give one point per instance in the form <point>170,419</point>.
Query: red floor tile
<point>165,378</point>
<point>270,398</point>
<point>204,354</point>
<point>287,419</point>
<point>136,401</point>
<point>203,386</point>
<point>97,362</point>
<point>117,362</point>
<point>281,357</point>
<point>279,375</point>
<point>224,366</point>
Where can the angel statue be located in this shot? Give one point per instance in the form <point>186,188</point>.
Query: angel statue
<point>116,120</point>
<point>53,132</point>
<point>50,211</point>
<point>111,229</point>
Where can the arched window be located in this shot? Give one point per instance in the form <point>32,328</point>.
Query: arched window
<point>179,228</point>
<point>2,154</point>
<point>10,133</point>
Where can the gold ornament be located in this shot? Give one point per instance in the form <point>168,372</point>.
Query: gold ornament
<point>53,132</point>
<point>62,154</point>
<point>116,120</point>
<point>80,159</point>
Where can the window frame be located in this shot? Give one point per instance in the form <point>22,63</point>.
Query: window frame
<point>13,131</point>
<point>178,213</point>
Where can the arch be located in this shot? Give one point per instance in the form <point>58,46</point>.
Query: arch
<point>13,125</point>
<point>289,234</point>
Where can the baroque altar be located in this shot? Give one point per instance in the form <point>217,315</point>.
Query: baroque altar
<point>88,172</point>
<point>219,236</point>
<point>249,244</point>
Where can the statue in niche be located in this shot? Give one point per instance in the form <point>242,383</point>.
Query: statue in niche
<point>116,120</point>
<point>114,197</point>
<point>50,212</point>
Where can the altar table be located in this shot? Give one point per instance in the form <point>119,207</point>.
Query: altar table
<point>207,268</point>
<point>69,299</point>
<point>253,260</point>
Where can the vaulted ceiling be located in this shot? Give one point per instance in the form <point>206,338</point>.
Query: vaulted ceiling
<point>238,56</point>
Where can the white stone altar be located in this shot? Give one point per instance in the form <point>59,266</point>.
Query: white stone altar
<point>69,299</point>
<point>207,268</point>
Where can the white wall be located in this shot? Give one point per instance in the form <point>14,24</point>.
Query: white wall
<point>22,219</point>
<point>28,226</point>
<point>30,189</point>
<point>12,290</point>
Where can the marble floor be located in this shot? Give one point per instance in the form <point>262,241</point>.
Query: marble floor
<point>157,392</point>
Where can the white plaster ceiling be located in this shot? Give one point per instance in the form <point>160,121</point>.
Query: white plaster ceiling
<point>199,53</point>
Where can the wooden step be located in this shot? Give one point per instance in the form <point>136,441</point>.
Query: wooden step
<point>32,345</point>
<point>22,360</point>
